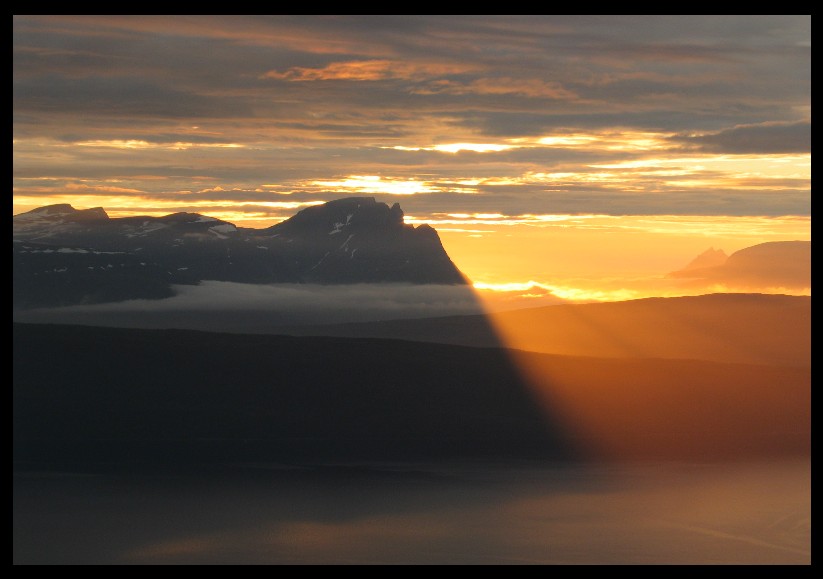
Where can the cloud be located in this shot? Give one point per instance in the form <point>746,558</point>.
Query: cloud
<point>530,87</point>
<point>228,306</point>
<point>99,190</point>
<point>369,70</point>
<point>763,138</point>
<point>652,118</point>
<point>313,99</point>
<point>119,95</point>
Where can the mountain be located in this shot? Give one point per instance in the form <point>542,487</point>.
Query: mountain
<point>739,328</point>
<point>65,256</point>
<point>774,264</point>
<point>709,258</point>
<point>88,394</point>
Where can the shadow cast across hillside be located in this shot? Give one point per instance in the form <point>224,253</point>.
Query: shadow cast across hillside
<point>670,379</point>
<point>92,394</point>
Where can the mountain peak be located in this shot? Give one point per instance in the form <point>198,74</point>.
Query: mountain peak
<point>713,251</point>
<point>709,258</point>
<point>785,264</point>
<point>65,256</point>
<point>56,209</point>
<point>351,214</point>
<point>63,210</point>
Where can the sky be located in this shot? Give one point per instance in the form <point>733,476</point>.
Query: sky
<point>579,157</point>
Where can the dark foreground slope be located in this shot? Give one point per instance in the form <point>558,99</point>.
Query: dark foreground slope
<point>114,394</point>
<point>159,396</point>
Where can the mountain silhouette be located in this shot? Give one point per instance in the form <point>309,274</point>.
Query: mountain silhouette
<point>65,256</point>
<point>774,264</point>
<point>709,258</point>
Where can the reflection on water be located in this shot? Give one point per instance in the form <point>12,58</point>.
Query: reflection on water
<point>467,513</point>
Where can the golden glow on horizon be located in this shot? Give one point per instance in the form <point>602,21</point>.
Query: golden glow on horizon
<point>650,176</point>
<point>127,144</point>
<point>608,141</point>
<point>457,147</point>
<point>140,144</point>
<point>377,184</point>
<point>797,227</point>
<point>479,216</point>
<point>629,141</point>
<point>535,290</point>
<point>522,293</point>
<point>603,258</point>
<point>730,171</point>
<point>437,220</point>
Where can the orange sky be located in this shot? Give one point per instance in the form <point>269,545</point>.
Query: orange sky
<point>590,155</point>
<point>606,258</point>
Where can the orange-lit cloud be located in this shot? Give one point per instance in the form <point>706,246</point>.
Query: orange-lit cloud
<point>537,88</point>
<point>376,184</point>
<point>457,147</point>
<point>140,144</point>
<point>768,137</point>
<point>365,70</point>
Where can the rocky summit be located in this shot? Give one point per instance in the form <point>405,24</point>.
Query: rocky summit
<point>65,256</point>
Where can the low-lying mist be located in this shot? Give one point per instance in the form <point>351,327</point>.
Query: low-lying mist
<point>227,306</point>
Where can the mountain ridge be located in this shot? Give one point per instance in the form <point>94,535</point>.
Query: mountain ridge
<point>66,256</point>
<point>770,264</point>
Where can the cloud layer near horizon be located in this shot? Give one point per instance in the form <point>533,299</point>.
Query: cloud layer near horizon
<point>234,115</point>
<point>235,306</point>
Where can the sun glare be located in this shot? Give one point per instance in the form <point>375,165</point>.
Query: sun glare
<point>376,184</point>
<point>140,144</point>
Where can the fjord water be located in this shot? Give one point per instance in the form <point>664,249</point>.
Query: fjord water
<point>515,512</point>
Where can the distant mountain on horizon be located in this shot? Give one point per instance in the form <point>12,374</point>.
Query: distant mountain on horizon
<point>774,264</point>
<point>709,258</point>
<point>66,256</point>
